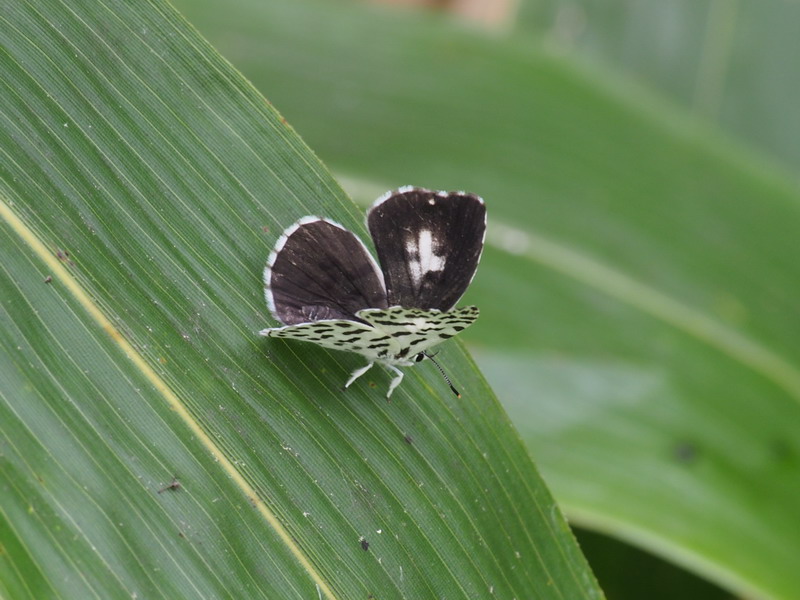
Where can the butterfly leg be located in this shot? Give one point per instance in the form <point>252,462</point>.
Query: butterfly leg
<point>396,381</point>
<point>358,373</point>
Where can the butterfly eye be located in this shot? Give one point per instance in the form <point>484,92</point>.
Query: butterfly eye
<point>419,357</point>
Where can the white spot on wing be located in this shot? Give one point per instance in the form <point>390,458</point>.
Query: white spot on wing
<point>422,256</point>
<point>421,324</point>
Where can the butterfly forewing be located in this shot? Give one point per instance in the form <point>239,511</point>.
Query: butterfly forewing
<point>428,243</point>
<point>320,271</point>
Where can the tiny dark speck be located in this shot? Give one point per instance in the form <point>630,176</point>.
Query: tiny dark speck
<point>408,439</point>
<point>685,452</point>
<point>63,256</point>
<point>364,544</point>
<point>172,485</point>
<point>48,279</point>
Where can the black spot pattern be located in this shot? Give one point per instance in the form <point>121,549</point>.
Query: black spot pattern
<point>386,335</point>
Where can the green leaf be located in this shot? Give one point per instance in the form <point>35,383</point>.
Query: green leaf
<point>638,294</point>
<point>629,573</point>
<point>151,443</point>
<point>722,60</point>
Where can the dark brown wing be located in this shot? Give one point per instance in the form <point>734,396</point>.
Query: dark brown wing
<point>429,244</point>
<point>319,270</point>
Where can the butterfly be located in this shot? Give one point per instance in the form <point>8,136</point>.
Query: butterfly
<point>323,284</point>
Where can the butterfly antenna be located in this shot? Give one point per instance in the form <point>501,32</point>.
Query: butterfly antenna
<point>446,378</point>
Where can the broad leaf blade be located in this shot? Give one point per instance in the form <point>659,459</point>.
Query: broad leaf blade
<point>89,455</point>
<point>637,300</point>
<point>144,184</point>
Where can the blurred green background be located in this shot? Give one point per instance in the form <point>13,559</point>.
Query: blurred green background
<point>638,290</point>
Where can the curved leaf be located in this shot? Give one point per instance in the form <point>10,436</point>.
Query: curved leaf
<point>153,445</point>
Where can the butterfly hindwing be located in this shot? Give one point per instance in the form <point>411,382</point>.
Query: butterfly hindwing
<point>414,330</point>
<point>338,334</point>
<point>392,335</point>
<point>320,271</point>
<point>428,243</point>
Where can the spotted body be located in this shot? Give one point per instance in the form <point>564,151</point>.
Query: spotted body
<point>324,285</point>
